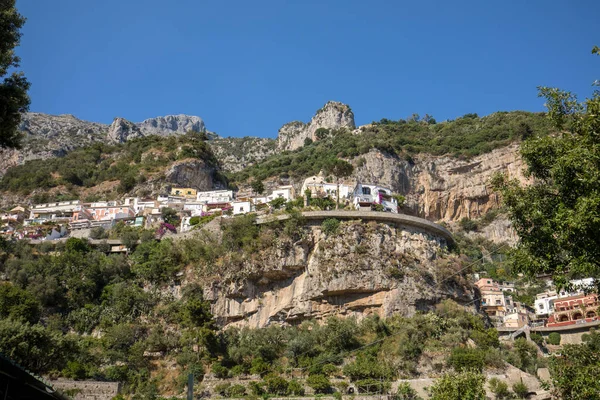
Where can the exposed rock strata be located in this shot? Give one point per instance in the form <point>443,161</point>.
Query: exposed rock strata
<point>364,269</point>
<point>47,136</point>
<point>443,187</point>
<point>333,115</point>
<point>192,173</point>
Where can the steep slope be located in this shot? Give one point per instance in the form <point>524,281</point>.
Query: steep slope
<point>235,154</point>
<point>333,115</point>
<point>360,270</point>
<point>47,136</point>
<point>144,166</point>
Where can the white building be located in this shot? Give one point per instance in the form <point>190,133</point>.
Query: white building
<point>241,207</point>
<point>320,188</point>
<point>139,205</point>
<point>215,196</point>
<point>365,196</point>
<point>62,210</point>
<point>544,302</point>
<point>286,192</point>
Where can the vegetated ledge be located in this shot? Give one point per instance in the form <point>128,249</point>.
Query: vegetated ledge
<point>398,219</point>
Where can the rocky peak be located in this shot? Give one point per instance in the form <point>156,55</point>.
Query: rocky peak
<point>122,130</point>
<point>170,124</point>
<point>333,115</point>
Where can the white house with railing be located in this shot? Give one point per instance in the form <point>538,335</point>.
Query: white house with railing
<point>366,196</point>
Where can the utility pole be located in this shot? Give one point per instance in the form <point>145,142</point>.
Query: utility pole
<point>190,393</point>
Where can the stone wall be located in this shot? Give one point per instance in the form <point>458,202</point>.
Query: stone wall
<point>88,390</point>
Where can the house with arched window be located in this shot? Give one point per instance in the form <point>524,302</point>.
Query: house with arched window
<point>574,309</point>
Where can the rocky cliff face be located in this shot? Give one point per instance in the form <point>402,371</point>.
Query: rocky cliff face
<point>122,130</point>
<point>192,173</point>
<point>333,115</point>
<point>442,187</point>
<point>235,154</point>
<point>172,124</point>
<point>363,269</point>
<point>48,136</point>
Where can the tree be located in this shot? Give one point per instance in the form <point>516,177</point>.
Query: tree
<point>575,372</point>
<point>557,217</point>
<point>465,386</point>
<point>340,169</point>
<point>257,186</point>
<point>321,133</point>
<point>13,90</point>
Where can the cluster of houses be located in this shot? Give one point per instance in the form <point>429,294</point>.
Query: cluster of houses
<point>551,308</point>
<point>188,202</point>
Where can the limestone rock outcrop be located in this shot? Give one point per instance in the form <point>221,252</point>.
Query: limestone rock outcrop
<point>122,130</point>
<point>192,173</point>
<point>235,154</point>
<point>47,136</point>
<point>364,269</point>
<point>442,187</point>
<point>174,124</point>
<point>333,115</point>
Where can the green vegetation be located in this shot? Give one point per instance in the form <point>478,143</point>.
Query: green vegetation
<point>129,163</point>
<point>554,338</point>
<point>330,226</point>
<point>499,388</point>
<point>557,217</point>
<point>14,99</point>
<point>575,372</point>
<point>464,137</point>
<point>464,385</point>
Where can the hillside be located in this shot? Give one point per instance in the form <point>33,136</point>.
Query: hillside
<point>47,136</point>
<point>141,166</point>
<point>155,315</point>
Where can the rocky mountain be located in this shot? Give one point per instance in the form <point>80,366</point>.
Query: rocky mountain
<point>333,115</point>
<point>48,136</point>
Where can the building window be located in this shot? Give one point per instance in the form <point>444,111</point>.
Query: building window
<point>366,190</point>
<point>498,302</point>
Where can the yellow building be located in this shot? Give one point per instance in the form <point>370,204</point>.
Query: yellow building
<point>184,192</point>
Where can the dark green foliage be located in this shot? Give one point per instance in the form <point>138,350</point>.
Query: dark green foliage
<point>18,304</point>
<point>466,359</point>
<point>35,347</point>
<point>13,90</point>
<point>537,338</point>
<point>295,388</point>
<point>468,225</point>
<point>257,186</point>
<point>277,203</point>
<point>524,356</point>
<point>330,226</point>
<point>276,385</point>
<point>319,383</point>
<point>464,137</point>
<point>554,338</point>
<point>558,218</point>
<point>575,372</point>
<point>219,370</point>
<point>466,385</point>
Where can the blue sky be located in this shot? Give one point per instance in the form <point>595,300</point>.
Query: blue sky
<point>248,67</point>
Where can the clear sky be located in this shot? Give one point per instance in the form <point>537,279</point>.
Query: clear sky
<point>248,67</point>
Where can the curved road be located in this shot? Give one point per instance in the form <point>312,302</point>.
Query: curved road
<point>400,219</point>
